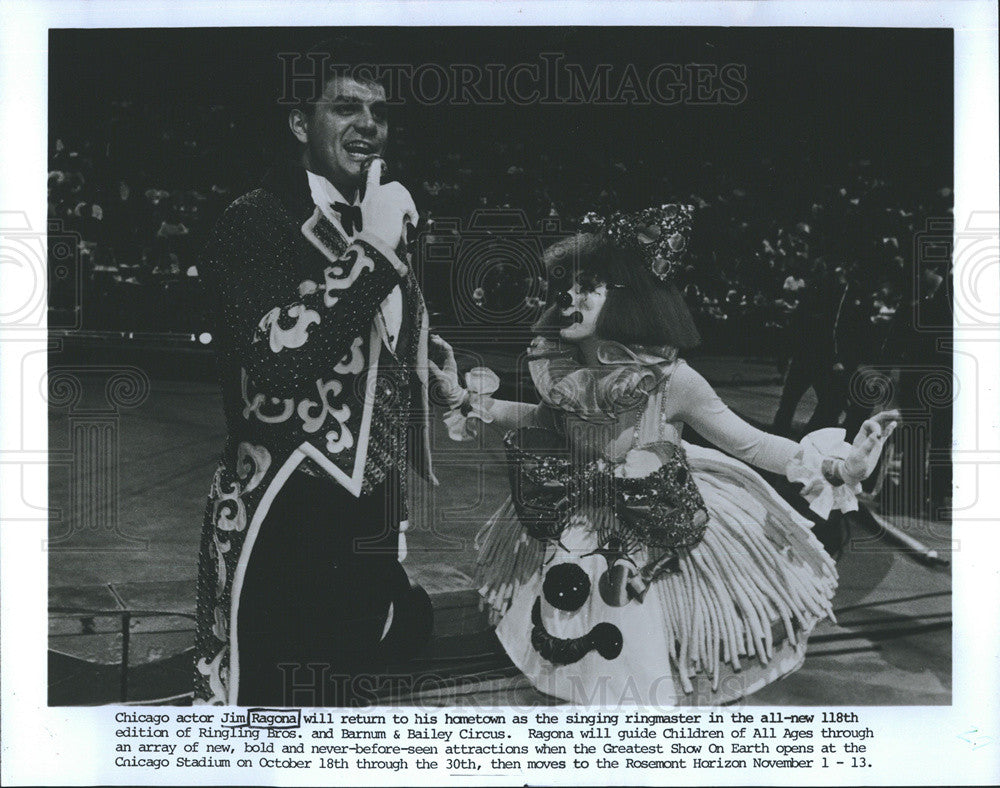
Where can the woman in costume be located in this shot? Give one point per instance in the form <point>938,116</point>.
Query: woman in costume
<point>629,565</point>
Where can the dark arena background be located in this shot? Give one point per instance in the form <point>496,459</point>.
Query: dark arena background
<point>819,162</point>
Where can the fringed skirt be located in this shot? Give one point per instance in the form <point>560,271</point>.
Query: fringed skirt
<point>733,615</point>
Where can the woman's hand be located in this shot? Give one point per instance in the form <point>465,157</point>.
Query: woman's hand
<point>446,375</point>
<point>867,448</point>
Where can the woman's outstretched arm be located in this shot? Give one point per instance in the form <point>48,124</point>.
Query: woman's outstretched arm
<point>694,401</point>
<point>829,469</point>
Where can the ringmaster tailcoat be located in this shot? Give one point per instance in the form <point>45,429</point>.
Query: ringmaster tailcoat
<point>311,382</point>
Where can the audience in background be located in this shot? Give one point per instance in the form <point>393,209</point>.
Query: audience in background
<point>770,234</point>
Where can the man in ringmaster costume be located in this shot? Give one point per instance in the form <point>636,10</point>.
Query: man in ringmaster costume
<point>321,336</point>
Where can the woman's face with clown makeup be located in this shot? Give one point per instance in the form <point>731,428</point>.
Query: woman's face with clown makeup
<point>588,299</point>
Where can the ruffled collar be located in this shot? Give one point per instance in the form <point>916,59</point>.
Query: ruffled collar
<point>596,379</point>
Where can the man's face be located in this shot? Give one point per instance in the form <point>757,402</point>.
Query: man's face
<point>347,127</point>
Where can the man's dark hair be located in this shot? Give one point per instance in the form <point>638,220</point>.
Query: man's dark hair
<point>639,308</point>
<point>325,60</point>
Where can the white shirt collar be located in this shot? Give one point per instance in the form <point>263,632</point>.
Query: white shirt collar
<point>324,194</point>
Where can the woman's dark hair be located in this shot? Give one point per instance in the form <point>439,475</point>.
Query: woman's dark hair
<point>639,309</point>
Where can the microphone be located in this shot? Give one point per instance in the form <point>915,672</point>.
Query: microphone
<point>366,165</point>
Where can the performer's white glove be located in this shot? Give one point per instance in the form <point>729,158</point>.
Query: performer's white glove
<point>446,375</point>
<point>863,456</point>
<point>386,208</point>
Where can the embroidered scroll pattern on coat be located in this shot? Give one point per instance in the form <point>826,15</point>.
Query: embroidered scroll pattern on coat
<point>228,503</point>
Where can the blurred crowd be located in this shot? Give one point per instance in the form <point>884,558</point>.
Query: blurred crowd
<point>136,192</point>
<point>777,239</point>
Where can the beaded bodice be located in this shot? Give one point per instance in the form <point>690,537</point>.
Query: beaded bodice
<point>631,464</point>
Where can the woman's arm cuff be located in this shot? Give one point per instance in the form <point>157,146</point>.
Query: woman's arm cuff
<point>818,466</point>
<point>463,420</point>
<point>475,407</point>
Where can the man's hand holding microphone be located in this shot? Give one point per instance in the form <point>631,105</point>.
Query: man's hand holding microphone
<point>386,210</point>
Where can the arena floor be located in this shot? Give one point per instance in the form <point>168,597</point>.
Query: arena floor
<point>890,646</point>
